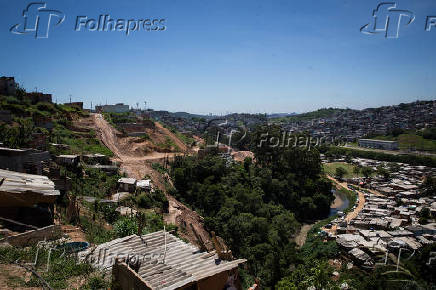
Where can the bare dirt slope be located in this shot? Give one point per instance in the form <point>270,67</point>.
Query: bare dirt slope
<point>11,276</point>
<point>167,133</point>
<point>136,162</point>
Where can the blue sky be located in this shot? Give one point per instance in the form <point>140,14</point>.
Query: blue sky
<point>226,56</point>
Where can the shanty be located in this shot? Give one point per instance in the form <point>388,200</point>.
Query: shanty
<point>24,190</point>
<point>27,198</point>
<point>127,184</point>
<point>162,261</point>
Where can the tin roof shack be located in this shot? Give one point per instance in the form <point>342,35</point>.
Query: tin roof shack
<point>68,160</point>
<point>92,159</point>
<point>361,257</point>
<point>144,184</point>
<point>23,160</point>
<point>163,261</point>
<point>127,184</point>
<point>108,169</point>
<point>27,198</point>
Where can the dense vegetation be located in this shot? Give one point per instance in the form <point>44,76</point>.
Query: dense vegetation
<point>255,206</point>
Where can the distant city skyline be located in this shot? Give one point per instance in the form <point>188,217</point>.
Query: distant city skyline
<point>226,56</point>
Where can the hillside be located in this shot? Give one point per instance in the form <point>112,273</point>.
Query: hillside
<point>42,125</point>
<point>138,161</point>
<point>321,113</point>
<point>411,141</point>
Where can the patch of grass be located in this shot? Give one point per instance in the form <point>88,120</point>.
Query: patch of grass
<point>96,283</point>
<point>168,145</point>
<point>330,169</point>
<point>159,168</point>
<point>78,143</point>
<point>411,141</point>
<point>412,159</point>
<point>185,139</point>
<point>145,137</point>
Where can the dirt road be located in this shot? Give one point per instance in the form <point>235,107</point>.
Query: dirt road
<point>132,159</point>
<point>353,214</point>
<point>137,164</point>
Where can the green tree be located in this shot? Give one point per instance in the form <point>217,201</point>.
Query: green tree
<point>314,273</point>
<point>382,171</point>
<point>356,170</point>
<point>348,157</point>
<point>340,172</point>
<point>367,171</point>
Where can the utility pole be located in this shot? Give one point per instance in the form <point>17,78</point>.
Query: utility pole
<point>398,261</point>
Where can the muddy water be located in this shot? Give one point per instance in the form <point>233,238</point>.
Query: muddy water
<point>340,203</point>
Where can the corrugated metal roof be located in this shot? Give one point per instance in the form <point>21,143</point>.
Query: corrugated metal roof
<point>127,180</point>
<point>143,183</point>
<point>179,265</point>
<point>22,188</point>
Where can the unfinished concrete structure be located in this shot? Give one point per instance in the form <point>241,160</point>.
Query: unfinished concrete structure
<point>137,129</point>
<point>36,97</point>
<point>127,184</point>
<point>78,105</point>
<point>8,86</point>
<point>117,108</point>
<point>162,261</point>
<point>23,160</point>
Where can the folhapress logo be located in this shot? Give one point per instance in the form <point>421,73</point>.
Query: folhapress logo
<point>387,19</point>
<point>37,20</point>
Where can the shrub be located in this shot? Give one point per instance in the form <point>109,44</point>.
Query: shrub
<point>125,226</point>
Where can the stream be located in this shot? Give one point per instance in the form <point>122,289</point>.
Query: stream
<point>340,203</point>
